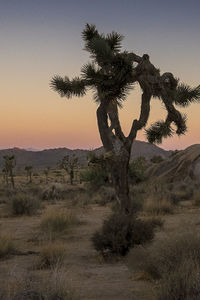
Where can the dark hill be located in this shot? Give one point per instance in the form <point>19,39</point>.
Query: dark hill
<point>50,157</point>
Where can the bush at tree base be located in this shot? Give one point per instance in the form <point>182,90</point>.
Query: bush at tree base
<point>120,233</point>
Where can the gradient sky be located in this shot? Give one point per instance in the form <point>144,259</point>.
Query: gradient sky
<point>42,38</point>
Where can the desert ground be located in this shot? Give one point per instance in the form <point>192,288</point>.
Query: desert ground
<point>46,251</point>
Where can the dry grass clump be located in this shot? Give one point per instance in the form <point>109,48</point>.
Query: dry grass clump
<point>196,198</point>
<point>51,255</point>
<point>57,221</point>
<point>57,287</point>
<point>156,206</point>
<point>24,204</point>
<point>53,286</point>
<point>182,283</point>
<point>5,194</point>
<point>181,192</point>
<point>7,246</point>
<point>175,261</point>
<point>155,221</point>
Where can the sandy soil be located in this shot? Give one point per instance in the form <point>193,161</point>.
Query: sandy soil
<point>90,276</point>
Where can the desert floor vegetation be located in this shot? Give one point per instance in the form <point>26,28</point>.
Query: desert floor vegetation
<point>34,287</point>
<point>7,246</point>
<point>51,254</point>
<point>58,221</point>
<point>61,239</point>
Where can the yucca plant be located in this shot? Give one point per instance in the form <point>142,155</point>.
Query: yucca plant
<point>111,74</point>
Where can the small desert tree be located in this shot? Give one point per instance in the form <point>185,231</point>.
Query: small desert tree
<point>5,176</point>
<point>9,164</point>
<point>69,164</point>
<point>112,74</point>
<point>46,173</point>
<point>29,170</point>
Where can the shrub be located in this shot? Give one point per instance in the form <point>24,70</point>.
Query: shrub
<point>182,283</point>
<point>156,206</point>
<point>94,177</point>
<point>181,195</point>
<point>105,195</point>
<point>166,255</point>
<point>196,197</point>
<point>52,254</point>
<point>57,221</point>
<point>26,287</point>
<point>7,246</point>
<point>24,204</point>
<point>53,192</point>
<point>156,159</point>
<point>120,232</point>
<point>137,169</point>
<point>156,221</point>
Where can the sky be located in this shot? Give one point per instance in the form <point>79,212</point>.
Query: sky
<point>42,38</point>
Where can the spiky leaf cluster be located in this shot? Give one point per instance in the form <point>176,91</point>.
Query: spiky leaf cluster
<point>109,74</point>
<point>185,95</point>
<point>68,88</point>
<point>158,131</point>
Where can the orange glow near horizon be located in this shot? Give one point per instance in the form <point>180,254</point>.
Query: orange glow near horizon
<point>41,39</point>
<point>43,120</point>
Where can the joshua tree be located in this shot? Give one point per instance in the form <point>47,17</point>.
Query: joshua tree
<point>29,170</point>
<point>112,74</point>
<point>69,165</point>
<point>5,176</point>
<point>46,173</point>
<point>9,164</point>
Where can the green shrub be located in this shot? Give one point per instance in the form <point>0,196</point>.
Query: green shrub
<point>94,177</point>
<point>137,169</point>
<point>120,232</point>
<point>24,204</point>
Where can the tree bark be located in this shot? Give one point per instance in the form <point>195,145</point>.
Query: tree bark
<point>118,150</point>
<point>12,178</point>
<point>119,173</point>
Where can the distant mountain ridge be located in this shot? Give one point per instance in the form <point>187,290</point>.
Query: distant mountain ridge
<point>50,157</point>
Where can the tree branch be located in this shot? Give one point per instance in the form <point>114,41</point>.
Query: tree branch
<point>114,119</point>
<point>102,120</point>
<point>144,115</point>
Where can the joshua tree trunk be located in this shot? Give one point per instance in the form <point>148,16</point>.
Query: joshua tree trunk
<point>118,149</point>
<point>71,176</point>
<point>12,178</point>
<point>119,172</point>
<point>30,177</point>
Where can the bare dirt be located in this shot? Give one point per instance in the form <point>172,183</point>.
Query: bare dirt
<point>88,274</point>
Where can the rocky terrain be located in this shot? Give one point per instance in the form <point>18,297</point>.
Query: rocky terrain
<point>180,166</point>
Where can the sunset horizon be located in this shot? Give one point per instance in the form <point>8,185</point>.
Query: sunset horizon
<point>44,39</point>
